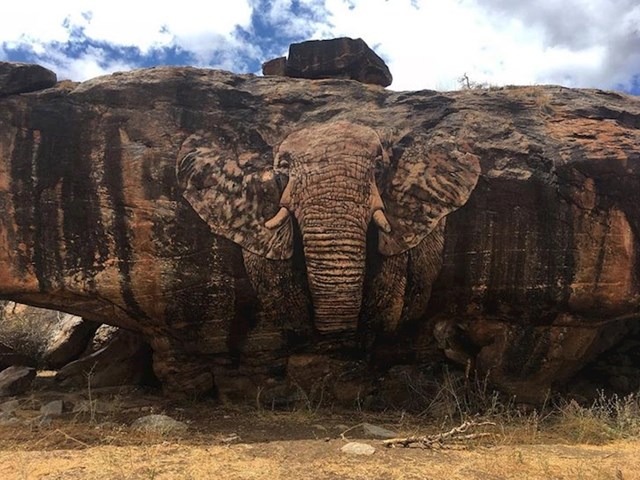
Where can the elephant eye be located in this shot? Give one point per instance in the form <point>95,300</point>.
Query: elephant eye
<point>284,161</point>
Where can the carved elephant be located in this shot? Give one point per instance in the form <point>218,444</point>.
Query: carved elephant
<point>248,225</point>
<point>330,181</point>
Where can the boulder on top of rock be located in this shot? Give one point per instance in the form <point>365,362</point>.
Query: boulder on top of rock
<point>275,66</point>
<point>24,77</point>
<point>336,58</point>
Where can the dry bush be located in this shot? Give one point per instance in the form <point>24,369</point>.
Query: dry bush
<point>26,329</point>
<point>607,418</point>
<point>456,397</point>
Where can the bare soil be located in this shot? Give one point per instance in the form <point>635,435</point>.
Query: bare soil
<point>250,443</point>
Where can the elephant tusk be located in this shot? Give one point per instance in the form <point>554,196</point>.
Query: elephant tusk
<point>278,219</point>
<point>381,221</point>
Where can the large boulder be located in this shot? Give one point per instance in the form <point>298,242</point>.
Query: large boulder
<point>24,77</point>
<point>69,339</point>
<point>336,58</point>
<point>498,229</point>
<point>124,360</point>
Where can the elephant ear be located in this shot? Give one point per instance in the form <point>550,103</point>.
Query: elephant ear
<point>429,178</point>
<point>235,192</point>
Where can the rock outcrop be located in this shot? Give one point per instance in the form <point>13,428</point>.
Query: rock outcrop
<point>24,77</point>
<point>187,205</point>
<point>336,58</point>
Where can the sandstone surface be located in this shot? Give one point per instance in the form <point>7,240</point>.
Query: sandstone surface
<point>498,229</point>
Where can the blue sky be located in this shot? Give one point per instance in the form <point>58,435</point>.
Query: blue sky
<point>426,43</point>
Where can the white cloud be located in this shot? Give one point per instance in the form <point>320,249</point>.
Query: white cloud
<point>204,29</point>
<point>427,43</point>
<point>430,44</point>
<point>279,13</point>
<point>92,63</point>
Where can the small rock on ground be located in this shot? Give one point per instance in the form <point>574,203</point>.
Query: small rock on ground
<point>8,418</point>
<point>159,423</point>
<point>378,432</point>
<point>356,448</point>
<point>52,409</point>
<point>10,406</point>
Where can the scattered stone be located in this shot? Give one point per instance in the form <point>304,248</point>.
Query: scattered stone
<point>41,421</point>
<point>69,340</point>
<point>16,380</point>
<point>24,77</point>
<point>378,432</point>
<point>10,406</point>
<point>356,448</point>
<point>9,358</point>
<point>52,409</point>
<point>337,58</point>
<point>159,424</point>
<point>8,418</point>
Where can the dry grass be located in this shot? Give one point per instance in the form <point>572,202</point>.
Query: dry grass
<point>563,440</point>
<point>26,329</point>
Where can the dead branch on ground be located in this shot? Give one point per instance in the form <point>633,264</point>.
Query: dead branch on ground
<point>453,437</point>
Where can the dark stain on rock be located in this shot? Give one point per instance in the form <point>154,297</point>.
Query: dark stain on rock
<point>22,187</point>
<point>114,185</point>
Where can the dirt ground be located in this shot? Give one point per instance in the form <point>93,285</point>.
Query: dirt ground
<point>250,443</point>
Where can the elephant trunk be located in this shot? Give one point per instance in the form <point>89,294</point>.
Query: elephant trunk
<point>335,254</point>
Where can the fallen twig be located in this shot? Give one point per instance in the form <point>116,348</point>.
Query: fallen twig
<point>342,435</point>
<point>441,440</point>
<point>73,439</point>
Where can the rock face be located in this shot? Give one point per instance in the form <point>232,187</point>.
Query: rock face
<point>256,229</point>
<point>336,58</point>
<point>24,77</point>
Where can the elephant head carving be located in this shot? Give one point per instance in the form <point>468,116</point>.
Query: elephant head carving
<point>333,194</point>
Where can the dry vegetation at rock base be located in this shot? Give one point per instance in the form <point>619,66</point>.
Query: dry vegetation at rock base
<point>562,440</point>
<point>26,329</point>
